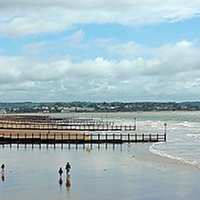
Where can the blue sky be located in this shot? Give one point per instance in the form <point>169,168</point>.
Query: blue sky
<point>99,50</point>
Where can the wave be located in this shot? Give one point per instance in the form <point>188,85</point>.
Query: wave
<point>194,135</point>
<point>187,124</point>
<point>153,149</point>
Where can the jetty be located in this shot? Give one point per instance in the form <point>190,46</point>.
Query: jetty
<point>22,129</point>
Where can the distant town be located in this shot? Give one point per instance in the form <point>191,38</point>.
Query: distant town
<point>65,107</point>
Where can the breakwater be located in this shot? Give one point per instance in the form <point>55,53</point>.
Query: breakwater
<point>48,123</point>
<point>79,138</point>
<point>44,129</point>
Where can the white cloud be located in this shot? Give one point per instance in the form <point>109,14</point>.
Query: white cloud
<point>34,48</point>
<point>172,71</point>
<point>75,39</point>
<point>24,17</point>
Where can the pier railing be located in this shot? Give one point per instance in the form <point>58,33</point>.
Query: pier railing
<point>66,126</point>
<point>80,138</point>
<point>40,129</point>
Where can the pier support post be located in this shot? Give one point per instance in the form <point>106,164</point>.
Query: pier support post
<point>135,124</point>
<point>165,131</point>
<point>143,137</point>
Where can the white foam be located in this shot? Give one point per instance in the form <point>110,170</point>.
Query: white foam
<point>163,153</point>
<point>194,135</point>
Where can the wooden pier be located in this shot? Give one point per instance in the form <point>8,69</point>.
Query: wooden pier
<point>44,129</point>
<point>72,124</point>
<point>79,138</point>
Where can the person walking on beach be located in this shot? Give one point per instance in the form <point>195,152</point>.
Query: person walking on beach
<point>3,172</point>
<point>60,172</point>
<point>2,166</point>
<point>67,168</point>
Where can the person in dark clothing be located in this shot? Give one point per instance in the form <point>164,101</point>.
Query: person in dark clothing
<point>2,166</point>
<point>60,172</point>
<point>3,172</point>
<point>67,168</point>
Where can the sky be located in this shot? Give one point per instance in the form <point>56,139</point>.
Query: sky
<point>99,50</point>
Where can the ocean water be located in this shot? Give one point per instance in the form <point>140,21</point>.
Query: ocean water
<point>183,132</point>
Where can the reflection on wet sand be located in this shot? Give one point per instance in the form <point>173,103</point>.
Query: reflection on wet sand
<point>3,175</point>
<point>60,181</point>
<point>68,181</point>
<point>88,147</point>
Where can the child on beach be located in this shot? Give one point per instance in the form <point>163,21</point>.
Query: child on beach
<point>60,172</point>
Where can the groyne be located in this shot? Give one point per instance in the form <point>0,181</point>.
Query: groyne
<point>79,138</point>
<point>40,129</point>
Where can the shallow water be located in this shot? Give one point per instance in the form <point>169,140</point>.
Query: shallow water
<point>33,170</point>
<point>115,172</point>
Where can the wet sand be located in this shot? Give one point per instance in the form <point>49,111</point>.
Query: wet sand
<point>107,172</point>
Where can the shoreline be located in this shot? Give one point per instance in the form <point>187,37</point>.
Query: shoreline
<point>91,113</point>
<point>148,156</point>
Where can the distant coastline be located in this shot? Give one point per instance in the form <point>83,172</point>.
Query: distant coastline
<point>95,107</point>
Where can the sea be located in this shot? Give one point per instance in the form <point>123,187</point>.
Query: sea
<point>182,129</point>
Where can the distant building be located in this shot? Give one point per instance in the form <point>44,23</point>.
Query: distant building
<point>3,111</point>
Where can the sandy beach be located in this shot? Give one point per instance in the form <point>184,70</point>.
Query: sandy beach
<point>127,171</point>
<point>112,172</point>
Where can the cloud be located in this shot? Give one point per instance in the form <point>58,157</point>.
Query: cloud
<point>172,71</point>
<point>34,48</point>
<point>23,17</point>
<point>75,39</point>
